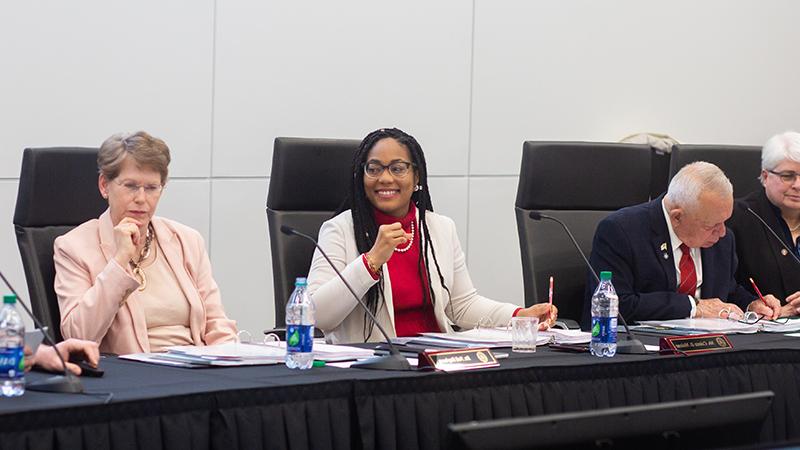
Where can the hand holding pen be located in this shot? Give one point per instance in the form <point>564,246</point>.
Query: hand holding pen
<point>767,306</point>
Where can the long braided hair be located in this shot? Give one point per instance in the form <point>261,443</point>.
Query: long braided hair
<point>366,229</point>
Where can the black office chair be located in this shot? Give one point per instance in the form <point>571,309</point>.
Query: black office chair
<point>308,183</point>
<point>742,164</point>
<point>579,183</point>
<point>57,191</point>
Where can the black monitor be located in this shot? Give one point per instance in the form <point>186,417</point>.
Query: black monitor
<point>732,420</point>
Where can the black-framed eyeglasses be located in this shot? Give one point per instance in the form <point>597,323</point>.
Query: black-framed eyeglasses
<point>398,169</point>
<point>787,177</point>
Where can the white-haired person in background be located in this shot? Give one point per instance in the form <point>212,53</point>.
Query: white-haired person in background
<point>761,256</point>
<point>672,257</point>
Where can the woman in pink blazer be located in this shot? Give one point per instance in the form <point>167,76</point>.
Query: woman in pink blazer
<point>129,280</point>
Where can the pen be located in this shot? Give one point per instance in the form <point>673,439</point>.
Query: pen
<point>550,295</point>
<point>758,291</point>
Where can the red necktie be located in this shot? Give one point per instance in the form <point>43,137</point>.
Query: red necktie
<point>688,284</point>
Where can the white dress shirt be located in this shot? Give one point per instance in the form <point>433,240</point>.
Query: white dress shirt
<point>677,254</point>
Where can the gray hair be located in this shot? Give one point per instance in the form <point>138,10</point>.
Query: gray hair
<point>147,151</point>
<point>780,147</point>
<point>692,180</point>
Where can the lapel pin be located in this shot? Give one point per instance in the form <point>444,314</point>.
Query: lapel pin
<point>664,249</point>
<point>784,252</point>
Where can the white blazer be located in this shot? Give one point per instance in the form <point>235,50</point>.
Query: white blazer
<point>342,320</point>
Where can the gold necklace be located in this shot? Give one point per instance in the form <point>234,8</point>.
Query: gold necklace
<point>143,254</point>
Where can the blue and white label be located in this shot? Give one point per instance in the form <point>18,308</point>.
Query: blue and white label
<point>12,362</point>
<point>604,330</point>
<point>299,338</point>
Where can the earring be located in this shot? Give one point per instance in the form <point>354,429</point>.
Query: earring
<point>417,188</point>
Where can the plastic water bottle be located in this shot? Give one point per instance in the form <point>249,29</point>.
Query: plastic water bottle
<point>605,309</point>
<point>300,327</point>
<point>12,345</point>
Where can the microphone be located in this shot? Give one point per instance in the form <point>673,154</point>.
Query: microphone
<point>394,360</point>
<point>772,232</point>
<point>629,346</point>
<point>67,383</point>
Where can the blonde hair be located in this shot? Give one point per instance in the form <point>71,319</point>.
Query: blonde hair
<point>146,150</point>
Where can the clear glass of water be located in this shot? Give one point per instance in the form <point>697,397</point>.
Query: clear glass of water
<point>524,331</point>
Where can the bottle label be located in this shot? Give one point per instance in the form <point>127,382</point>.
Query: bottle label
<point>299,338</point>
<point>604,330</point>
<point>12,362</point>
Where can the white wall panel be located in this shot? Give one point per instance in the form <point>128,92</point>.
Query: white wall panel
<point>73,73</point>
<point>449,197</point>
<point>704,72</point>
<point>340,69</point>
<point>188,202</point>
<point>240,252</point>
<point>494,258</point>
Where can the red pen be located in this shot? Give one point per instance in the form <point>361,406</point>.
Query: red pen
<point>758,291</point>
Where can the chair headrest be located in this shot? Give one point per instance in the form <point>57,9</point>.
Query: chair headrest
<point>58,186</point>
<point>310,174</point>
<point>583,175</point>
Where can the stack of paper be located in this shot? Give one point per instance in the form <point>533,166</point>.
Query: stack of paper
<point>703,326</point>
<point>231,354</point>
<point>499,337</point>
<point>560,336</point>
<point>785,325</point>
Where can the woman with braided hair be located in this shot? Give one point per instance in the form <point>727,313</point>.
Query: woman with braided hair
<point>402,258</point>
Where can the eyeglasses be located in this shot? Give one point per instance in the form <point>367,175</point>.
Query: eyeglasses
<point>786,177</point>
<point>398,169</point>
<point>150,190</point>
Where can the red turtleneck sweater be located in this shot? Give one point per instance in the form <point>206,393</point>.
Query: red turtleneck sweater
<point>413,313</point>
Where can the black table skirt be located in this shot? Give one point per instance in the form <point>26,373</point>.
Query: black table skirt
<point>272,407</point>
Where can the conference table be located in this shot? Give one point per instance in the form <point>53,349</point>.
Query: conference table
<point>160,407</point>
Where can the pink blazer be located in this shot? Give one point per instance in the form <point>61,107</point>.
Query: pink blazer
<point>97,297</point>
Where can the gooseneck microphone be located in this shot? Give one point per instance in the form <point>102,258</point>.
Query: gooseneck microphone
<point>67,383</point>
<point>394,360</point>
<point>773,233</point>
<point>631,345</point>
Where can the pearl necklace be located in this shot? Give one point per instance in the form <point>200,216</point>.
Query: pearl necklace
<point>410,241</point>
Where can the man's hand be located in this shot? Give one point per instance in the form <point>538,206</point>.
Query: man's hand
<point>710,309</point>
<point>771,310</point>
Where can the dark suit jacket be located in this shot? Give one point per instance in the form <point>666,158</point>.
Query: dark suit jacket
<point>761,256</point>
<point>632,243</point>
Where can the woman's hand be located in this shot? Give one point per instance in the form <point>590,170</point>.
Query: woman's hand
<point>126,237</point>
<point>541,310</point>
<point>792,306</point>
<point>389,237</point>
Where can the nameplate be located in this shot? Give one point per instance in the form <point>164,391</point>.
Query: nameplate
<point>460,359</point>
<point>699,343</point>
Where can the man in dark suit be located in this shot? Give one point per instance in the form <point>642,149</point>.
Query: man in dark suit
<point>672,258</point>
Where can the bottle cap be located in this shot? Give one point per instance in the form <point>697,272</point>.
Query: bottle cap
<point>9,298</point>
<point>300,281</point>
<point>318,363</point>
<point>605,275</point>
